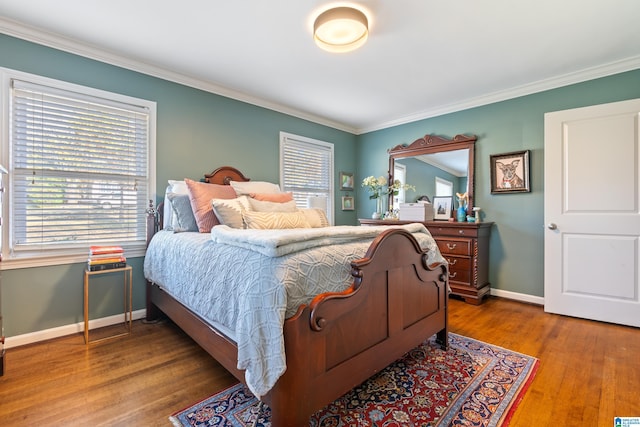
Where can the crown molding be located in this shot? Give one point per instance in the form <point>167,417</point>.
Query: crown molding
<point>56,41</point>
<point>628,64</point>
<point>69,45</point>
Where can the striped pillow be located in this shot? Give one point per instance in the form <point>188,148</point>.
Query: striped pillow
<point>275,220</point>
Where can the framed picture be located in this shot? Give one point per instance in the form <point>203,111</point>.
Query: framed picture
<point>510,172</point>
<point>347,203</point>
<point>442,207</point>
<point>346,181</point>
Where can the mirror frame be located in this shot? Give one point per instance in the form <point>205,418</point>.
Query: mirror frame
<point>435,144</point>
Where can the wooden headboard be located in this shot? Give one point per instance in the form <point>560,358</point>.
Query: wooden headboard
<point>224,175</point>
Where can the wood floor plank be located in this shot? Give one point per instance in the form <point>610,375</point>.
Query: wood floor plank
<point>588,371</point>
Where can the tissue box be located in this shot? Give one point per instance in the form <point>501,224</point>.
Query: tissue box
<point>415,212</point>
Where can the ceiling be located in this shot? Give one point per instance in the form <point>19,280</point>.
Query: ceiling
<point>423,58</point>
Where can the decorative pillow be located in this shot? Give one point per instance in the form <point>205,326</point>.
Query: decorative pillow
<point>259,206</point>
<point>274,220</point>
<point>315,217</point>
<point>182,218</point>
<point>200,195</point>
<point>250,187</point>
<point>229,211</point>
<point>272,197</point>
<point>177,187</point>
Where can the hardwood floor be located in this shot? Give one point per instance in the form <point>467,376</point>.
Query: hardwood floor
<point>588,372</point>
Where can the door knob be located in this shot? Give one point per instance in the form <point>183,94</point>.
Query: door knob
<point>552,226</point>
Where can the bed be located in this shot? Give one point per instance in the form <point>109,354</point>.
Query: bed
<point>395,298</point>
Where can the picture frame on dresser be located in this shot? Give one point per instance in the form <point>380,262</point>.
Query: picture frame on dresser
<point>442,206</point>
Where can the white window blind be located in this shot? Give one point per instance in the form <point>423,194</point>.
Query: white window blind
<point>306,170</point>
<point>443,187</point>
<point>79,169</point>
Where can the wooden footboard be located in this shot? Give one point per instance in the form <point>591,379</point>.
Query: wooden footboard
<point>341,339</point>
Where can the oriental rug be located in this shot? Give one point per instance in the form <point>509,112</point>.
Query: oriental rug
<point>471,384</point>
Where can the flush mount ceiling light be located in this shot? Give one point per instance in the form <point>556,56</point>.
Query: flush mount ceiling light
<point>341,29</point>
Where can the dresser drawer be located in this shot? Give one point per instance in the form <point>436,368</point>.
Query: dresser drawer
<point>460,275</point>
<point>460,231</point>
<point>461,263</point>
<point>454,246</point>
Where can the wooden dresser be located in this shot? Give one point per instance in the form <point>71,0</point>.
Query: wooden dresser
<point>465,245</point>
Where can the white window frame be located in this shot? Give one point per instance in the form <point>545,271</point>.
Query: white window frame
<point>43,257</point>
<point>288,138</point>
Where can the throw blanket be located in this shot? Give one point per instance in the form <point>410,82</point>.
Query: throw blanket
<point>275,243</point>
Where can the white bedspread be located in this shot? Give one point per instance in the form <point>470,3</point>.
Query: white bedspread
<point>236,285</point>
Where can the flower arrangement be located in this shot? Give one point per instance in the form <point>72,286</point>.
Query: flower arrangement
<point>463,199</point>
<point>378,186</point>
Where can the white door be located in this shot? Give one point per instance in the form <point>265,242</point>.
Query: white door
<point>592,212</point>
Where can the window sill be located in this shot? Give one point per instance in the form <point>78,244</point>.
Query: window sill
<point>12,263</point>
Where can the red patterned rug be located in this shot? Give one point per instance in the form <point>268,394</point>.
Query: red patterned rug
<point>471,384</point>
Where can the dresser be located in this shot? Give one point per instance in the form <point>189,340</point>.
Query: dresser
<point>465,246</point>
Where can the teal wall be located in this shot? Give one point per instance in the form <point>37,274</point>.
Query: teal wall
<point>197,131</point>
<point>517,239</point>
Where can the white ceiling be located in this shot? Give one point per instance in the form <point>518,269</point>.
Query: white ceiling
<point>423,57</point>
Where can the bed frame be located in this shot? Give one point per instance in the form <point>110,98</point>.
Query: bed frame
<point>339,340</point>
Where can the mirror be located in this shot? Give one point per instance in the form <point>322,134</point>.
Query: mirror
<point>450,159</point>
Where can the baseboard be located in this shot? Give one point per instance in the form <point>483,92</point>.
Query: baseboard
<point>517,296</point>
<point>61,331</point>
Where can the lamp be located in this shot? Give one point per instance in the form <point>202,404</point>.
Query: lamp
<point>341,29</point>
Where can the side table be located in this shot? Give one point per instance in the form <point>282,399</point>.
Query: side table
<point>128,274</point>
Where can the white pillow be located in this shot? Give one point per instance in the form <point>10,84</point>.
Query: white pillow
<point>175,187</point>
<point>261,206</point>
<point>250,187</point>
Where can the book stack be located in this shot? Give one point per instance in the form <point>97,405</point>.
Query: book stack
<point>106,258</point>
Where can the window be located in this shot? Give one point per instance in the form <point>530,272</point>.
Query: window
<point>80,171</point>
<point>306,169</point>
<point>443,187</point>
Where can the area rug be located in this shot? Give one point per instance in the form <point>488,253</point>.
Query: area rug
<point>471,384</point>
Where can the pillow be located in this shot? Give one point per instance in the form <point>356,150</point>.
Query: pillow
<point>315,217</point>
<point>259,206</point>
<point>177,187</point>
<point>274,220</point>
<point>273,197</point>
<point>200,195</point>
<point>229,211</point>
<point>250,187</point>
<point>182,218</point>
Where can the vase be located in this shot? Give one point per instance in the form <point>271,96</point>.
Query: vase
<point>462,214</point>
<point>378,214</point>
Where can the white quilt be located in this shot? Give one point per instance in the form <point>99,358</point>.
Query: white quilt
<point>236,285</point>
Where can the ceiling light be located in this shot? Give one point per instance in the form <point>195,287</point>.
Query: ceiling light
<point>341,29</point>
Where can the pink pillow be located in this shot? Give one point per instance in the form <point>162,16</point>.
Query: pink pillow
<point>200,195</point>
<point>273,197</point>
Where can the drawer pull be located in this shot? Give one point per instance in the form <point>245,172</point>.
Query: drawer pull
<point>461,231</point>
<point>451,246</point>
<point>452,262</point>
<point>452,275</point>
